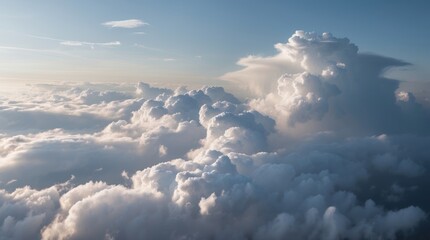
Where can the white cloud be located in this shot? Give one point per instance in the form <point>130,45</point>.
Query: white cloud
<point>149,48</point>
<point>90,44</point>
<point>35,50</point>
<point>76,43</point>
<point>130,23</point>
<point>11,181</point>
<point>305,160</point>
<point>341,86</point>
<point>299,97</point>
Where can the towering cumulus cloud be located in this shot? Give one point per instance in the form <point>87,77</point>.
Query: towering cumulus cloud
<point>325,71</point>
<point>326,147</point>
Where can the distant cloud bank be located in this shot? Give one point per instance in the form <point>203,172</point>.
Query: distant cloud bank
<point>325,147</point>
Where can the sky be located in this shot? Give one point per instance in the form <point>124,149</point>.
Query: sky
<point>214,120</point>
<point>192,42</point>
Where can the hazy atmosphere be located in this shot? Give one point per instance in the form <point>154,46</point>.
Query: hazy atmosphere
<point>214,120</point>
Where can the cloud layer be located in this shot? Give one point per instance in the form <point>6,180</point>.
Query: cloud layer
<point>328,149</point>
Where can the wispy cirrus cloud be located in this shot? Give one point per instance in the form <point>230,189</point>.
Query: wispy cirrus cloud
<point>148,48</point>
<point>35,50</point>
<point>169,59</point>
<point>90,44</point>
<point>12,48</point>
<point>166,59</point>
<point>129,23</point>
<point>73,43</point>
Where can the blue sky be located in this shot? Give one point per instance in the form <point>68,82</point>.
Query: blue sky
<point>192,41</point>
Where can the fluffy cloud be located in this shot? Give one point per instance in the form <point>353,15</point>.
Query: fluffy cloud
<point>330,86</point>
<point>299,98</point>
<point>239,195</point>
<point>329,149</point>
<point>310,52</point>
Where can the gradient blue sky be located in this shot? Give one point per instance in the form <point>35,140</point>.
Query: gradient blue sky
<point>193,41</point>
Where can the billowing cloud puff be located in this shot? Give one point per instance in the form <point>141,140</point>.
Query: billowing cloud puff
<point>299,98</point>
<point>310,52</point>
<point>301,195</point>
<point>326,79</point>
<point>148,92</point>
<point>329,149</point>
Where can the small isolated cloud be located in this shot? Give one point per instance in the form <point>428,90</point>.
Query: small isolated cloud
<point>169,59</point>
<point>130,23</point>
<point>139,33</point>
